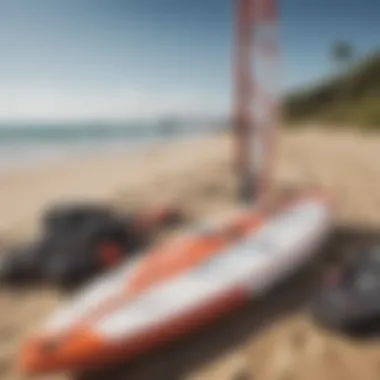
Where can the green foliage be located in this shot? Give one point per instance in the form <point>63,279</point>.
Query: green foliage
<point>352,98</point>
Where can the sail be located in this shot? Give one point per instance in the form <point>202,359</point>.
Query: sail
<point>257,96</point>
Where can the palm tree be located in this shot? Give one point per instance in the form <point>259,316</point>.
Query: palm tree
<point>342,53</point>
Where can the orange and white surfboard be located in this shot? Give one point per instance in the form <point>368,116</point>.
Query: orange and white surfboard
<point>177,286</point>
<point>188,281</point>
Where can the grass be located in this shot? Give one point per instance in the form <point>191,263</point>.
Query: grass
<point>352,98</point>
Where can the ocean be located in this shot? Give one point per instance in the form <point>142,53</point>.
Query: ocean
<point>29,145</point>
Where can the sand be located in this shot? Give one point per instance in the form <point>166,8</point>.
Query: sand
<point>272,340</point>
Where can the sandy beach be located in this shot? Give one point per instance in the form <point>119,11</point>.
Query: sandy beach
<point>197,176</point>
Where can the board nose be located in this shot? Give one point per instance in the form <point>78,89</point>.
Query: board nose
<point>45,355</point>
<point>37,357</point>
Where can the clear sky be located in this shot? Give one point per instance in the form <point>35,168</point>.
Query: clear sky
<point>130,58</point>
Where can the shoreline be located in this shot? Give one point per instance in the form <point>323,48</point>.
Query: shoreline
<point>29,157</point>
<point>25,193</point>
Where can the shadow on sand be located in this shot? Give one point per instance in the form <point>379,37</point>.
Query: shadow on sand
<point>181,358</point>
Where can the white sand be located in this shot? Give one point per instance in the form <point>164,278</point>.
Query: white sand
<point>198,176</point>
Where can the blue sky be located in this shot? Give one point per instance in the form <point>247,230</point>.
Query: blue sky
<point>132,58</point>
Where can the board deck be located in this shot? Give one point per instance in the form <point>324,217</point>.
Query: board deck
<point>178,285</point>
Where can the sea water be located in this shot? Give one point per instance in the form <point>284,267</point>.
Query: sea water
<point>35,144</point>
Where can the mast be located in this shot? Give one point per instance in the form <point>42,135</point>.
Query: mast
<point>243,86</point>
<point>255,108</point>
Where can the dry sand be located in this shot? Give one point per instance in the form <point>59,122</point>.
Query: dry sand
<point>272,340</point>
